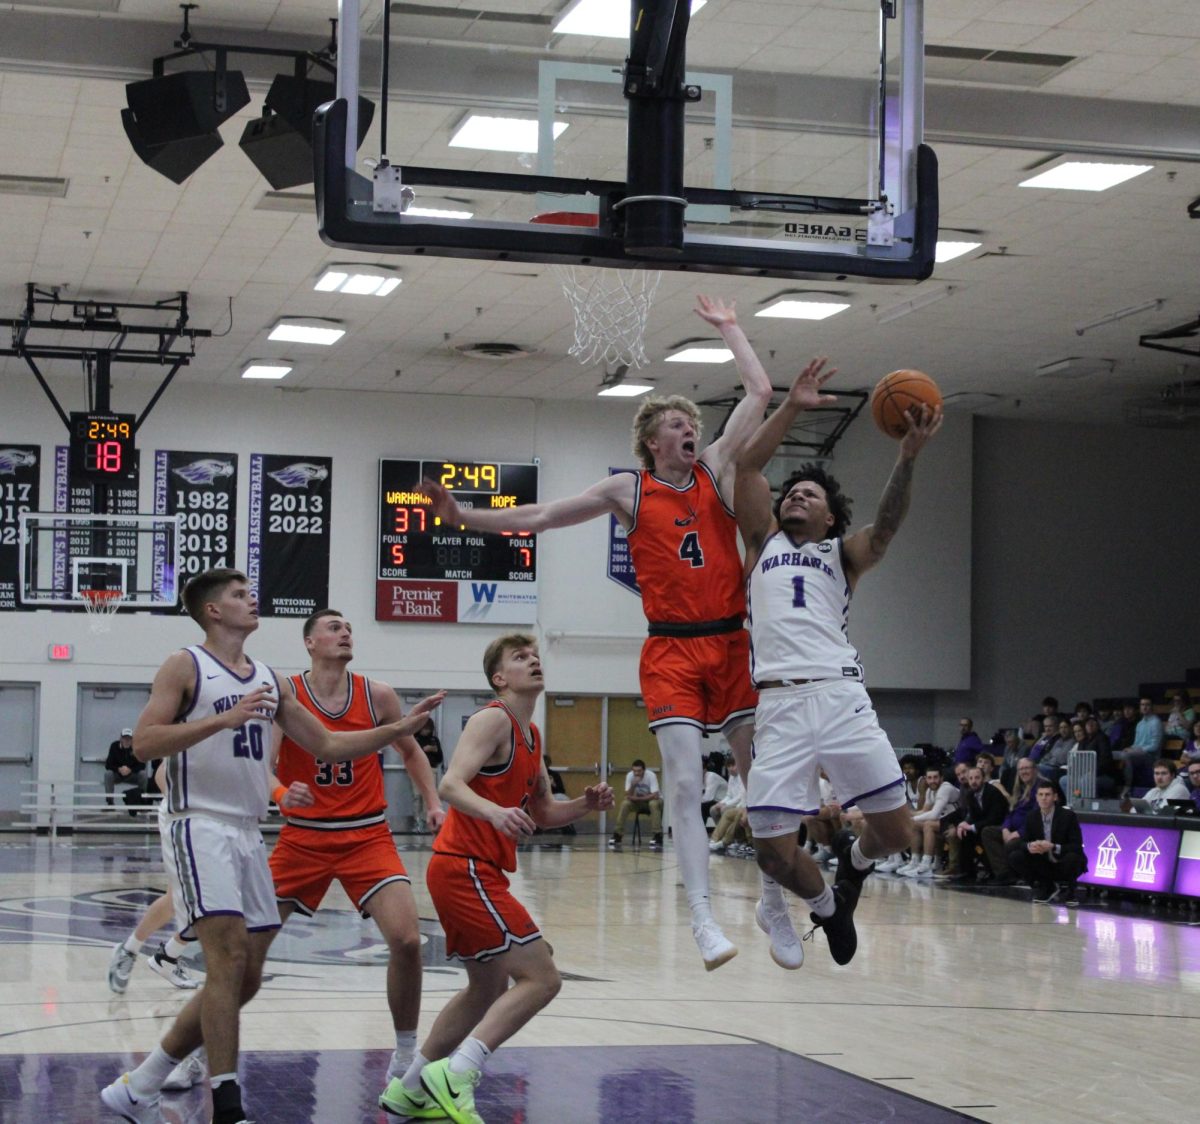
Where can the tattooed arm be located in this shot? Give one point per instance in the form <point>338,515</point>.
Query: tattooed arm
<point>865,548</point>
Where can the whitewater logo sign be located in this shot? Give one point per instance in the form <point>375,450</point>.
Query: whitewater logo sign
<point>501,602</point>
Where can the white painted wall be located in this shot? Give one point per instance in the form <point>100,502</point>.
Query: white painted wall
<point>911,619</point>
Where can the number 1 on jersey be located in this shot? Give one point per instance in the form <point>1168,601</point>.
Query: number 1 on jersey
<point>798,592</point>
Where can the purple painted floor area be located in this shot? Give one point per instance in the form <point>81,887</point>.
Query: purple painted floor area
<point>736,1084</point>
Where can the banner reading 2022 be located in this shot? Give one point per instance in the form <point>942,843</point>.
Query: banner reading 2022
<point>290,514</point>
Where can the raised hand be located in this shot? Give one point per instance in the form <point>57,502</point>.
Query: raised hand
<point>434,818</point>
<point>923,423</point>
<point>806,390</point>
<point>445,506</point>
<point>415,718</point>
<point>715,311</point>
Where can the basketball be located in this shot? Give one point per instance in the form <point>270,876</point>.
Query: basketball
<point>895,394</point>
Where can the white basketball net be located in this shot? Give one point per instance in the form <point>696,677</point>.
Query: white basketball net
<point>611,308</point>
<point>101,606</point>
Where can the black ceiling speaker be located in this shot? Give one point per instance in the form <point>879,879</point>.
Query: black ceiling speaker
<point>172,120</point>
<point>280,142</point>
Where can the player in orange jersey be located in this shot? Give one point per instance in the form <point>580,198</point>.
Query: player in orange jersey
<point>344,834</point>
<point>695,677</point>
<point>499,792</point>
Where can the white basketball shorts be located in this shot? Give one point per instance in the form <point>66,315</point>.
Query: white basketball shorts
<point>828,725</point>
<point>215,868</point>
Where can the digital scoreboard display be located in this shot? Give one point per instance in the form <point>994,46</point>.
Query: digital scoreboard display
<point>101,446</point>
<point>433,572</point>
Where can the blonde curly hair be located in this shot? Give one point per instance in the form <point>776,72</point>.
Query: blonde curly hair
<point>649,417</point>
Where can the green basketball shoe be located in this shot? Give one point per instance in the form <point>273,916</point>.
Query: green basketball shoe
<point>455,1092</point>
<point>400,1100</point>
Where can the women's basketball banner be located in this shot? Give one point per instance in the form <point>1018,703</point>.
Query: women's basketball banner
<point>20,471</point>
<point>201,488</point>
<point>290,512</point>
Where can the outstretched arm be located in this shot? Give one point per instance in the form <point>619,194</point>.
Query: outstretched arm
<point>344,745</point>
<point>865,548</point>
<point>757,385</point>
<point>611,496</point>
<point>416,764</point>
<point>550,813</point>
<point>752,494</point>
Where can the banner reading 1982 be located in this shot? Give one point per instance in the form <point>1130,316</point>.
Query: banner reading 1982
<point>201,488</point>
<point>20,470</point>
<point>290,511</point>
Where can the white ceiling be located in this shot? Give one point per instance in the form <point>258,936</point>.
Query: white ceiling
<point>1052,261</point>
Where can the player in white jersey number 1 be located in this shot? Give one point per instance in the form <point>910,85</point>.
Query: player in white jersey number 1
<point>210,714</point>
<point>813,711</point>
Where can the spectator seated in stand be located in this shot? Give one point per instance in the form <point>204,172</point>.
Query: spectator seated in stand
<point>1053,763</point>
<point>1145,747</point>
<point>1014,749</point>
<point>986,763</point>
<point>937,797</point>
<point>1167,786</point>
<point>1046,740</point>
<point>642,797</point>
<point>122,768</point>
<point>1049,710</point>
<point>969,743</point>
<point>985,807</point>
<point>1180,721</point>
<point>712,784</point>
<point>1108,772</point>
<point>1049,855</point>
<point>822,827</point>
<point>1193,780</point>
<point>1191,747</point>
<point>730,814</point>
<point>950,822</point>
<point>995,839</point>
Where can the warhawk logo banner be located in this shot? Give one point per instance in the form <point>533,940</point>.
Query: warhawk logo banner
<point>11,459</point>
<point>290,533</point>
<point>19,492</point>
<point>205,471</point>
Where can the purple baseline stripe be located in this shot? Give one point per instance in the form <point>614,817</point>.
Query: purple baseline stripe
<point>881,788</point>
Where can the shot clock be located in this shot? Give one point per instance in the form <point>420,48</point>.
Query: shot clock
<point>433,572</point>
<point>101,446</point>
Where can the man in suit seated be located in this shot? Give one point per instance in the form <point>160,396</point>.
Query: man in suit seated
<point>985,807</point>
<point>1049,855</point>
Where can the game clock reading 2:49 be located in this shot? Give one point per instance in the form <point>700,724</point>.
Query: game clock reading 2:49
<point>431,572</point>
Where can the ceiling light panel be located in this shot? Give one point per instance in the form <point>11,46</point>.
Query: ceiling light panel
<point>605,19</point>
<point>501,134</point>
<point>803,310</point>
<point>948,251</point>
<point>266,371</point>
<point>624,390</point>
<point>322,334</point>
<point>1077,175</point>
<point>701,355</point>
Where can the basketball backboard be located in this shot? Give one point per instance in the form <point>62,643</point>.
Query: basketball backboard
<point>65,559</point>
<point>811,165</point>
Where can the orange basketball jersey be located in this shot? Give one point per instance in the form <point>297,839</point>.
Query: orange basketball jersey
<point>343,790</point>
<point>684,548</point>
<point>509,784</point>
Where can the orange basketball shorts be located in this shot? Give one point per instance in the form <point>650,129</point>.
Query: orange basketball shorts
<point>306,860</point>
<point>476,908</point>
<point>701,681</point>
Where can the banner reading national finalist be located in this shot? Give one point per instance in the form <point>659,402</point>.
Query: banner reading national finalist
<point>20,471</point>
<point>290,514</point>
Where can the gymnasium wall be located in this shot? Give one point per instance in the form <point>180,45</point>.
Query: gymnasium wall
<point>1086,541</point>
<point>907,639</point>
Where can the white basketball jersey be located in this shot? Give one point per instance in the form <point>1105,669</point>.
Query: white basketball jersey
<point>798,600</point>
<point>227,773</point>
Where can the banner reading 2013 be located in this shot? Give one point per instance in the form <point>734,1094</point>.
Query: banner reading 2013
<point>20,469</point>
<point>288,556</point>
<point>201,488</point>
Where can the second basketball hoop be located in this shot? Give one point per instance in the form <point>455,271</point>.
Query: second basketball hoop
<point>611,306</point>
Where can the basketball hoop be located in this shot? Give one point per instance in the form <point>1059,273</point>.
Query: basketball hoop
<point>101,606</point>
<point>611,306</point>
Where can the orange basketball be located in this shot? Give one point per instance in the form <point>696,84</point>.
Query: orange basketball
<point>895,394</point>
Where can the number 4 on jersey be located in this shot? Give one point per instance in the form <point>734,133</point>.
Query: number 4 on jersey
<point>689,549</point>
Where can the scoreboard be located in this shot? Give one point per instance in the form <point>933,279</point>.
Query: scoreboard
<point>428,571</point>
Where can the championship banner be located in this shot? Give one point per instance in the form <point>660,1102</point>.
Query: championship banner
<point>78,496</point>
<point>620,563</point>
<point>288,557</point>
<point>20,473</point>
<point>201,488</point>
